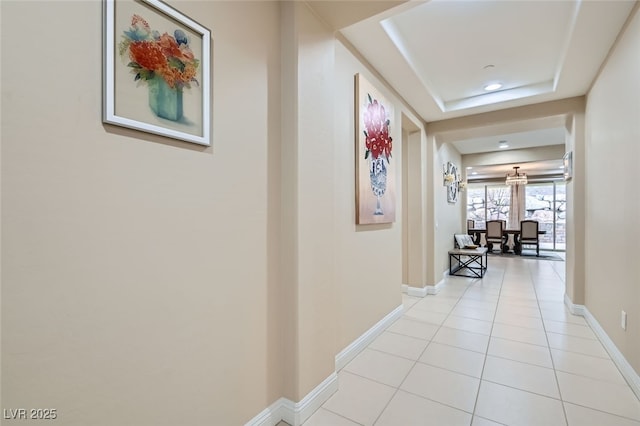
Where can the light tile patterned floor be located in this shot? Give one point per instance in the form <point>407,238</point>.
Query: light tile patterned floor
<point>500,350</point>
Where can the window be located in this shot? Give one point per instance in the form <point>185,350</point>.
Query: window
<point>545,202</point>
<point>488,203</point>
<point>498,199</point>
<point>476,205</point>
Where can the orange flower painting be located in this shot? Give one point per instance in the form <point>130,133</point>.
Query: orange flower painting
<point>157,70</point>
<point>153,54</point>
<point>164,61</point>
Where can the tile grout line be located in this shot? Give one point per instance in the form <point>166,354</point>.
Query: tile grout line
<point>553,364</point>
<point>545,294</point>
<point>484,363</point>
<point>339,415</point>
<point>437,402</point>
<point>415,362</point>
<point>422,353</point>
<point>604,412</point>
<point>425,348</point>
<point>473,413</point>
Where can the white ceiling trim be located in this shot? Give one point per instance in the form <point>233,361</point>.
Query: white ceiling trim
<point>567,43</point>
<point>500,96</point>
<point>508,94</point>
<point>398,41</point>
<point>439,54</point>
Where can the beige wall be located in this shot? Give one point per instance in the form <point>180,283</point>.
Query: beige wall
<point>317,297</point>
<point>368,257</point>
<point>448,216</point>
<point>172,283</point>
<point>551,152</point>
<point>168,283</point>
<point>287,153</point>
<point>414,226</point>
<point>576,210</point>
<point>137,279</point>
<point>566,112</point>
<point>514,156</point>
<point>613,198</point>
<point>313,197</point>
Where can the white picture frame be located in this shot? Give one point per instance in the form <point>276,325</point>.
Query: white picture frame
<point>156,70</point>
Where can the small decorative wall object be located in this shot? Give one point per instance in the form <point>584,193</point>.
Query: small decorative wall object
<point>448,174</point>
<point>568,165</point>
<point>156,70</point>
<point>375,166</point>
<point>451,181</point>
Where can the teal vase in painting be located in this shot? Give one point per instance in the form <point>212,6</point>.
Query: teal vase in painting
<point>165,102</point>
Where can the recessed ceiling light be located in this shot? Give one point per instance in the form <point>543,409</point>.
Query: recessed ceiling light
<point>469,167</point>
<point>503,144</point>
<point>474,173</point>
<point>493,86</point>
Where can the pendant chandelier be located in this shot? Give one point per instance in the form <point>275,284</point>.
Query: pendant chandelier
<point>516,178</point>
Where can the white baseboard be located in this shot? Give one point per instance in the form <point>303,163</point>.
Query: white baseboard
<point>270,415</point>
<point>414,291</point>
<point>435,289</point>
<point>630,375</point>
<point>417,291</point>
<point>296,413</point>
<point>350,352</point>
<point>423,291</point>
<point>574,309</point>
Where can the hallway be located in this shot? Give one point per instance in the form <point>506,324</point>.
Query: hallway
<point>501,350</point>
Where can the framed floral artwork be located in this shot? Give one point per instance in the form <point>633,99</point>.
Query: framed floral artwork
<point>156,75</point>
<point>375,167</point>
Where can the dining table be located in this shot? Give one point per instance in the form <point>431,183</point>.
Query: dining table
<point>476,233</point>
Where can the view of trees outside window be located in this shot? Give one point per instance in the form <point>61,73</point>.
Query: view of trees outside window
<point>498,199</point>
<point>487,203</point>
<point>476,205</point>
<point>545,202</point>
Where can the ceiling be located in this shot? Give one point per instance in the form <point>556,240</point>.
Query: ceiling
<point>519,140</point>
<point>545,170</point>
<point>439,55</point>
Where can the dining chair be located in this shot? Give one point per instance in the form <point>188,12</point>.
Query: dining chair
<point>495,234</point>
<point>529,234</point>
<point>470,224</point>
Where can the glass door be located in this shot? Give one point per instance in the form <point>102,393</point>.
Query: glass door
<point>546,203</point>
